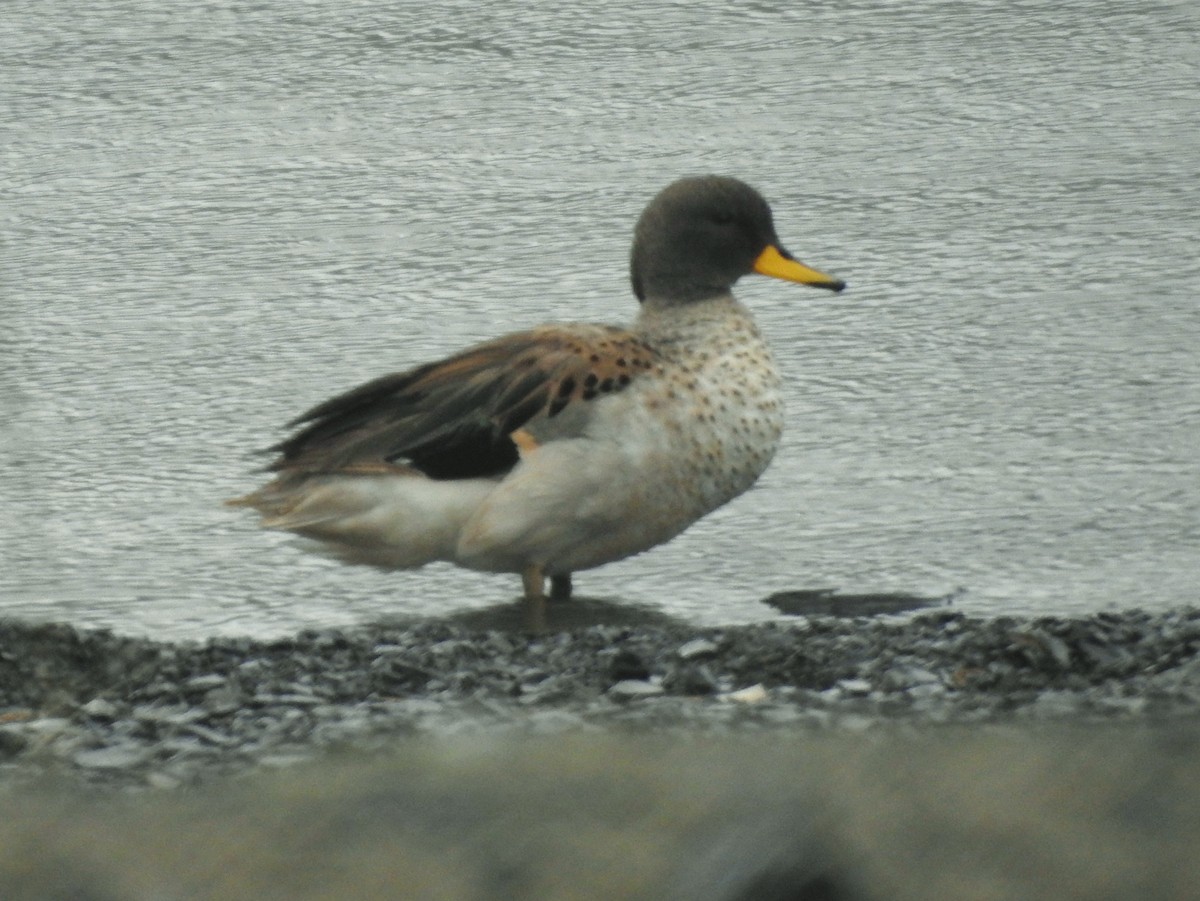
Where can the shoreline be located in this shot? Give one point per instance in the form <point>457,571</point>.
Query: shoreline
<point>133,712</point>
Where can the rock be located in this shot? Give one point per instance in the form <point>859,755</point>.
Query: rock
<point>46,726</point>
<point>632,689</point>
<point>204,683</point>
<point>754,694</point>
<point>696,649</point>
<point>12,741</point>
<point>857,687</point>
<point>627,664</point>
<point>690,679</point>
<point>99,708</point>
<point>115,757</point>
<point>225,699</point>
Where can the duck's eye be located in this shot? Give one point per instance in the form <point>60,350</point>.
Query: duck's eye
<point>722,217</point>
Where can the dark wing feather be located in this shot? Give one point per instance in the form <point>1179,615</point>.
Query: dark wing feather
<point>453,418</point>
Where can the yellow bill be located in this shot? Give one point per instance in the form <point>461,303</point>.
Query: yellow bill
<point>779,264</point>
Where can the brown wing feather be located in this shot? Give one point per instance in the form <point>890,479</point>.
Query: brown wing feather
<point>453,418</point>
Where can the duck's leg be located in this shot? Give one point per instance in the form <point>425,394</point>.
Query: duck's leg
<point>533,578</point>
<point>560,587</point>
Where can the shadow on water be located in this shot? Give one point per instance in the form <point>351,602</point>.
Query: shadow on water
<point>561,616</point>
<point>584,612</point>
<point>828,602</point>
<point>577,613</point>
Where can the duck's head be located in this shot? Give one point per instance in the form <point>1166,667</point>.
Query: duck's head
<point>699,235</point>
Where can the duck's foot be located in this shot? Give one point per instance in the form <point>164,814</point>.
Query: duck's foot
<point>533,578</point>
<point>560,587</point>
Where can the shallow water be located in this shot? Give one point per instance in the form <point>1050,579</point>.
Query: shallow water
<point>215,215</point>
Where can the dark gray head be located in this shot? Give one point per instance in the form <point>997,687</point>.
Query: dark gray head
<point>700,235</point>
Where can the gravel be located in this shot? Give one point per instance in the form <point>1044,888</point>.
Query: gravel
<point>132,712</point>
<point>922,756</point>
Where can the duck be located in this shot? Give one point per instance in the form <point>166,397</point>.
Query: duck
<point>566,446</point>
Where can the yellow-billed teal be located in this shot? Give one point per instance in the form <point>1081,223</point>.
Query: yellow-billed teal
<point>566,446</point>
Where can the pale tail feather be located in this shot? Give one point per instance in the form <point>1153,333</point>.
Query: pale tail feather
<point>391,519</point>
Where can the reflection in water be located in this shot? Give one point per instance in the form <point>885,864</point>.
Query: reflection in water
<point>577,613</point>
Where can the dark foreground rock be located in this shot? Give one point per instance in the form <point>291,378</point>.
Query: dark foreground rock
<point>992,812</point>
<point>932,757</point>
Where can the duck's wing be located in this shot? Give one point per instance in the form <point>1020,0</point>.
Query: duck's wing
<point>456,418</point>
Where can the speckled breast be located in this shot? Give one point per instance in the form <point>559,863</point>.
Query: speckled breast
<point>718,406</point>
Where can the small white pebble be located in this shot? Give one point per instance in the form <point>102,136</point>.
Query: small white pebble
<point>700,647</point>
<point>854,686</point>
<point>628,689</point>
<point>755,694</point>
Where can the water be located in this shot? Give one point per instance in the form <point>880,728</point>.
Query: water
<point>214,215</point>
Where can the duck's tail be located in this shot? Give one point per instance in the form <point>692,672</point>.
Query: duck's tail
<point>397,518</point>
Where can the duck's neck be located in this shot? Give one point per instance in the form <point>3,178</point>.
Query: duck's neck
<point>672,320</point>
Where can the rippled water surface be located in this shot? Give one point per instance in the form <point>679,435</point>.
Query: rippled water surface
<point>215,214</point>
